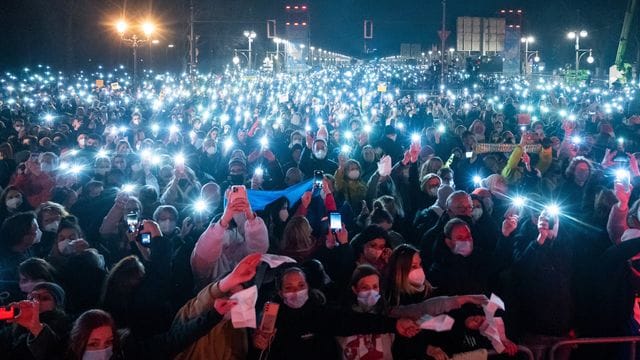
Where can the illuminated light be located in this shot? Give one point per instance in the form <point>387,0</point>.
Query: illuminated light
<point>477,180</point>
<point>345,149</point>
<point>174,128</point>
<point>519,201</point>
<point>622,174</point>
<point>121,26</point>
<point>348,135</point>
<point>155,127</point>
<point>258,171</point>
<point>553,209</point>
<point>307,128</point>
<point>620,140</point>
<point>264,141</point>
<point>441,129</point>
<point>576,139</point>
<point>228,143</point>
<point>200,206</point>
<point>128,188</point>
<point>75,169</point>
<point>367,128</point>
<point>102,153</point>
<point>563,113</point>
<point>48,118</point>
<point>123,129</point>
<point>415,138</point>
<point>572,117</point>
<point>148,28</point>
<point>156,160</point>
<point>179,159</point>
<point>224,118</point>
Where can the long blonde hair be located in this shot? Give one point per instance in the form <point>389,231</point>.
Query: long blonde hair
<point>397,283</point>
<point>297,235</point>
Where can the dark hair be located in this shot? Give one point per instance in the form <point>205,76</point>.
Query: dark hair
<point>82,328</point>
<point>15,227</point>
<point>451,224</point>
<point>363,271</point>
<point>122,280</point>
<point>380,214</point>
<point>369,233</point>
<point>37,269</point>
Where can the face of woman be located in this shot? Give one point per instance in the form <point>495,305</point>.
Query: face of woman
<point>67,233</point>
<point>371,282</point>
<point>293,282</point>
<point>100,338</point>
<point>416,262</point>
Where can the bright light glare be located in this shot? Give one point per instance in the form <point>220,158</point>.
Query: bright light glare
<point>200,205</point>
<point>128,188</point>
<point>441,128</point>
<point>415,138</point>
<point>148,28</point>
<point>553,210</point>
<point>519,201</point>
<point>477,180</point>
<point>622,174</point>
<point>121,26</point>
<point>259,171</point>
<point>179,159</point>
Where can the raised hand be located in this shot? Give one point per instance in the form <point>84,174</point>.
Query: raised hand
<point>407,327</point>
<point>243,272</point>
<point>223,306</point>
<point>509,225</point>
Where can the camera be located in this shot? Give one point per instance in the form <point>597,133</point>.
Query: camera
<point>133,219</point>
<point>318,176</point>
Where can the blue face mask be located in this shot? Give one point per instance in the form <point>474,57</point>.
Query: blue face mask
<point>104,354</point>
<point>368,299</point>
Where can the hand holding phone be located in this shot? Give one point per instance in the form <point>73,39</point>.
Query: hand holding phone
<point>269,316</point>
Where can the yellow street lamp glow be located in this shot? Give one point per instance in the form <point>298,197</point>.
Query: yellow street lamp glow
<point>121,26</point>
<point>148,28</point>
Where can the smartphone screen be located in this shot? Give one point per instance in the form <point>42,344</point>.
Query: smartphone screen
<point>335,220</point>
<point>145,239</point>
<point>469,154</point>
<point>318,175</point>
<point>132,221</point>
<point>269,316</point>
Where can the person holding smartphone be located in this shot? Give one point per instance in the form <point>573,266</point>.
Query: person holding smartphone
<point>238,233</point>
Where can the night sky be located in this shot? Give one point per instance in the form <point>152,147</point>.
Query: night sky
<point>76,34</point>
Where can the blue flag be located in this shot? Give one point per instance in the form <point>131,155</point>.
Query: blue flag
<point>259,199</point>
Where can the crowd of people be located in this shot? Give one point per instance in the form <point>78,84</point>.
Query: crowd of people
<point>335,214</point>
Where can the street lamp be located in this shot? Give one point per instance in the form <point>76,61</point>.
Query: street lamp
<point>526,40</point>
<point>250,35</point>
<point>577,35</point>
<point>132,39</point>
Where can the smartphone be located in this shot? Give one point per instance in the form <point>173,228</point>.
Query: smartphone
<point>335,221</point>
<point>269,316</point>
<point>468,154</point>
<point>318,175</point>
<point>132,221</point>
<point>145,239</point>
<point>8,312</point>
<point>237,191</point>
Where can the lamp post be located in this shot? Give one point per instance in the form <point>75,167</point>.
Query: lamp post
<point>526,40</point>
<point>250,35</point>
<point>577,35</point>
<point>134,40</point>
<point>312,48</point>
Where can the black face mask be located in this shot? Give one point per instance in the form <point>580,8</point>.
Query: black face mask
<point>237,179</point>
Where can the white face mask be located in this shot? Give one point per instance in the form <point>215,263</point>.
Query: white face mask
<point>353,174</point>
<point>464,248</point>
<point>104,354</point>
<point>46,167</point>
<point>38,236</point>
<point>211,150</point>
<point>476,214</point>
<point>296,300</point>
<point>320,154</point>
<point>64,247</point>
<point>433,192</point>
<point>417,277</point>
<point>13,203</point>
<point>283,215</point>
<point>368,299</point>
<point>52,227</point>
<point>167,226</point>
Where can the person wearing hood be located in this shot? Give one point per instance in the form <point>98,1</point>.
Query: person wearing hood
<point>349,184</point>
<point>238,233</point>
<point>49,215</point>
<point>426,218</point>
<point>12,201</point>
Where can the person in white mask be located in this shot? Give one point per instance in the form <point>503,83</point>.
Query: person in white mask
<point>372,246</point>
<point>365,285</point>
<point>12,202</point>
<point>305,327</point>
<point>315,156</point>
<point>167,218</point>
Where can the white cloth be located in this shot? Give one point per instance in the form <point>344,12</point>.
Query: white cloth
<point>276,260</point>
<point>493,327</point>
<point>244,313</point>
<point>436,323</point>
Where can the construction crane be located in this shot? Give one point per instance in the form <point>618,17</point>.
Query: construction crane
<point>620,70</point>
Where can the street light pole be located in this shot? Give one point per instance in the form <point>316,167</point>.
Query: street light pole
<point>250,35</point>
<point>134,41</point>
<point>442,38</point>
<point>577,35</point>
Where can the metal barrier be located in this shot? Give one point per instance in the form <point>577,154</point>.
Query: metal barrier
<point>521,350</point>
<point>632,340</point>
